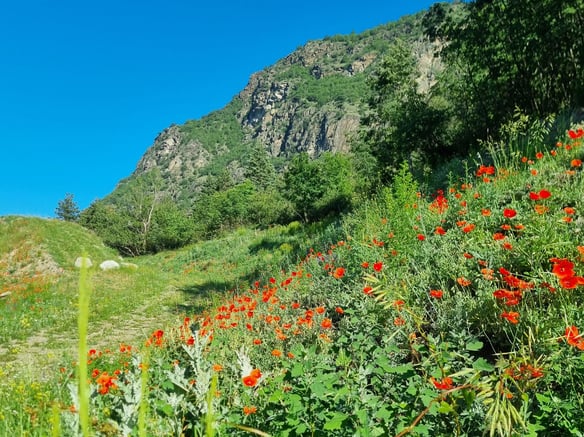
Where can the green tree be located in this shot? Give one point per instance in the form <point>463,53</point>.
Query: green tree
<point>67,209</point>
<point>403,124</point>
<point>259,168</point>
<point>320,187</point>
<point>115,228</point>
<point>525,54</point>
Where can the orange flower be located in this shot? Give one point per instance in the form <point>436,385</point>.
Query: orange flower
<point>541,209</point>
<point>576,163</point>
<point>365,264</point>
<point>326,323</point>
<point>511,316</point>
<point>463,282</point>
<point>539,155</point>
<point>421,237</point>
<point>252,379</point>
<point>436,293</point>
<point>339,310</point>
<point>276,353</point>
<point>217,367</point>
<point>485,212</point>
<point>339,273</point>
<point>106,382</point>
<point>440,230</point>
<point>399,321</point>
<point>574,338</point>
<point>445,384</point>
<point>468,228</point>
<point>569,210</point>
<point>249,410</point>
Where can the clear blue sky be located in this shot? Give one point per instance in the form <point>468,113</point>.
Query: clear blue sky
<point>85,87</point>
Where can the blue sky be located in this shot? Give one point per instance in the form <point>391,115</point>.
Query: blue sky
<point>85,87</point>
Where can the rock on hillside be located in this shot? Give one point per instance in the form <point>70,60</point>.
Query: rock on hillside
<point>310,101</point>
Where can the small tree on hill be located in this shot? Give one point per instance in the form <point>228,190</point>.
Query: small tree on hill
<point>67,209</point>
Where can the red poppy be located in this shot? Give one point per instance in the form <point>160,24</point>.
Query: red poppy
<point>544,194</point>
<point>377,266</point>
<point>339,273</point>
<point>440,230</point>
<point>326,323</point>
<point>511,316</point>
<point>445,384</point>
<point>468,228</point>
<point>509,213</point>
<point>436,293</point>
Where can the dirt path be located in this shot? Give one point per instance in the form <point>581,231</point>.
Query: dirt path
<point>39,356</point>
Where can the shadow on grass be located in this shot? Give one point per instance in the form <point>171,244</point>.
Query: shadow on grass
<point>202,296</point>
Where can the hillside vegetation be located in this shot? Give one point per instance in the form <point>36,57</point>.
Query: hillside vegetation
<point>430,285</point>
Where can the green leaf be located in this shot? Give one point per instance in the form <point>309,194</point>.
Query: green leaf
<point>445,408</point>
<point>474,345</point>
<point>297,370</point>
<point>335,422</point>
<point>400,370</point>
<point>483,365</point>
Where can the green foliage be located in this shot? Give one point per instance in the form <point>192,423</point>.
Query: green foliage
<point>334,88</point>
<point>141,220</point>
<point>321,186</point>
<point>67,209</point>
<point>402,124</point>
<point>509,54</point>
<point>260,170</point>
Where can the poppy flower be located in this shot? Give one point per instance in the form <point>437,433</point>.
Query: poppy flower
<point>445,384</point>
<point>576,163</point>
<point>377,266</point>
<point>421,237</point>
<point>249,410</point>
<point>440,230</point>
<point>562,267</point>
<point>511,316</point>
<point>463,282</point>
<point>509,213</point>
<point>326,323</point>
<point>533,196</point>
<point>436,294</point>
<point>544,194</point>
<point>468,228</point>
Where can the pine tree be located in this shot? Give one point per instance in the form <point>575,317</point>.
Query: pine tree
<point>67,209</point>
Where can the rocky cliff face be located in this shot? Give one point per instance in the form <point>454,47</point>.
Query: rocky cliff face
<point>310,101</point>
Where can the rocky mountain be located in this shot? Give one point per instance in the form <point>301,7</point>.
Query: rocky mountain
<point>310,101</point>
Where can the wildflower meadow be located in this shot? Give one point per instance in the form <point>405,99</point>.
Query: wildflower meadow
<point>455,312</point>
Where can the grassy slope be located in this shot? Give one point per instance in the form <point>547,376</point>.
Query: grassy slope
<point>378,356</point>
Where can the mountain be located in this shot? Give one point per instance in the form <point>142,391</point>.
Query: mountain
<point>310,101</point>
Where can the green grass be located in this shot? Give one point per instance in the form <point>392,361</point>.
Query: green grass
<point>374,325</point>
